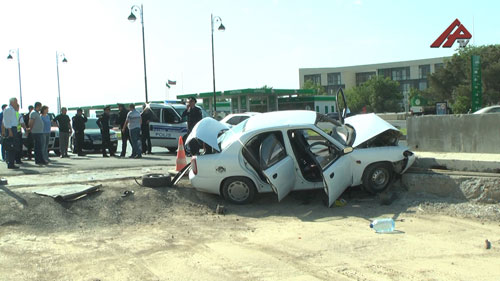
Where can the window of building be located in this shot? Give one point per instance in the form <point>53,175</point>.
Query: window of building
<point>438,66</point>
<point>362,77</point>
<point>317,108</point>
<point>400,73</point>
<point>333,78</point>
<point>386,72</point>
<point>315,78</point>
<point>326,109</point>
<point>424,71</point>
<point>422,85</point>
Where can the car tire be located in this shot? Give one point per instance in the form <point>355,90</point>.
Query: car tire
<point>57,152</point>
<point>238,190</point>
<point>377,177</point>
<point>172,149</point>
<point>156,180</point>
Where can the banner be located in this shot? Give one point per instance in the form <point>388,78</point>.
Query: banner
<point>476,83</point>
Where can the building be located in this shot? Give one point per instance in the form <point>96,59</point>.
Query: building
<point>409,74</point>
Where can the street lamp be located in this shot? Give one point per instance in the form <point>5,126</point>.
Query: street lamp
<point>215,20</point>
<point>134,10</point>
<point>59,56</point>
<point>9,57</point>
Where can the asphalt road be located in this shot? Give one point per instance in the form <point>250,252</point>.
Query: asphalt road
<point>92,161</point>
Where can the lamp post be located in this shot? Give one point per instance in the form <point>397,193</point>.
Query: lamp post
<point>9,57</point>
<point>215,20</point>
<point>135,9</point>
<point>64,60</point>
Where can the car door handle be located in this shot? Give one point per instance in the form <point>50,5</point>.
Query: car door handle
<point>332,175</point>
<point>275,176</point>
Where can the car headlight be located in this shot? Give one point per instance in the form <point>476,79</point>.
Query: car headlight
<point>87,137</point>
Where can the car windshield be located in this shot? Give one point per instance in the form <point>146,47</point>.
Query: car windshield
<point>230,136</point>
<point>91,123</point>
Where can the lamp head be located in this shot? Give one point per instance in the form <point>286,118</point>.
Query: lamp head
<point>221,27</point>
<point>64,60</point>
<point>9,57</point>
<point>132,17</point>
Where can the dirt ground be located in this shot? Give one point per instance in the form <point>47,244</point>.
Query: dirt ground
<point>174,234</point>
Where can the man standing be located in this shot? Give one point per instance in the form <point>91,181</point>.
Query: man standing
<point>146,138</point>
<point>193,114</point>
<point>10,122</point>
<point>79,121</point>
<point>103,123</point>
<point>29,136</point>
<point>36,130</point>
<point>122,117</point>
<point>1,137</point>
<point>133,123</point>
<point>65,131</point>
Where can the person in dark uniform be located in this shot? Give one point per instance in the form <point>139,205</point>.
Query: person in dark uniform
<point>194,116</point>
<point>146,116</point>
<point>79,121</point>
<point>122,117</point>
<point>29,137</point>
<point>103,123</point>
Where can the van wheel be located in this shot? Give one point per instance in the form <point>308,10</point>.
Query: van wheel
<point>377,177</point>
<point>238,190</point>
<point>172,149</point>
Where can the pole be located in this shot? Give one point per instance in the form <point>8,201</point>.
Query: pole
<point>213,63</point>
<point>19,70</point>
<point>58,86</point>
<point>144,55</point>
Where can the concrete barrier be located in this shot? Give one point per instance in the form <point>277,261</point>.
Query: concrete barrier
<point>392,116</point>
<point>474,133</point>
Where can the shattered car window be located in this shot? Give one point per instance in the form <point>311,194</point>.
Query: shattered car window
<point>231,135</point>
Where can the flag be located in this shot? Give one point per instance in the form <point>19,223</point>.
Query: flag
<point>168,86</point>
<point>170,82</point>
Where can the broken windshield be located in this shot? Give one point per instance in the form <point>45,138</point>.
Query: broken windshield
<point>231,135</point>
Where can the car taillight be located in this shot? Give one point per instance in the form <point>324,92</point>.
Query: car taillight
<point>194,167</point>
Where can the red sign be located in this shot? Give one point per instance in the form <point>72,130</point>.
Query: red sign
<point>460,33</point>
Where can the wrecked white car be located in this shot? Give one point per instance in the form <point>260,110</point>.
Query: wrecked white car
<point>285,151</point>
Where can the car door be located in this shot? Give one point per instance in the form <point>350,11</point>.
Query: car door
<point>277,165</point>
<point>335,164</point>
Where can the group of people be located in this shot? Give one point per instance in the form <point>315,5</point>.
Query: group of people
<point>37,124</point>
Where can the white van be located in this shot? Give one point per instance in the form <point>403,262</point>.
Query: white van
<point>168,125</point>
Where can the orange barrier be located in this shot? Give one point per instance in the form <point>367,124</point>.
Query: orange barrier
<point>180,162</point>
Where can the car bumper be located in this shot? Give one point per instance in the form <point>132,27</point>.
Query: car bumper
<point>87,145</point>
<point>205,184</point>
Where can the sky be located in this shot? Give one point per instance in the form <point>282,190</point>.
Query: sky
<point>265,43</point>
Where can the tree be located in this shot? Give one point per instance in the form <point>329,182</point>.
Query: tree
<point>309,84</point>
<point>378,94</point>
<point>265,87</point>
<point>452,83</point>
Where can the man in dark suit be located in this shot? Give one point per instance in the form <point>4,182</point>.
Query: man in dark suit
<point>103,123</point>
<point>79,121</point>
<point>194,116</point>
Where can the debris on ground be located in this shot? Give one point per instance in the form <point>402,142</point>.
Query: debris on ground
<point>68,192</point>
<point>220,209</point>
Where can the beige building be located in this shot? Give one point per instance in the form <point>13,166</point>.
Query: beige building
<point>409,74</point>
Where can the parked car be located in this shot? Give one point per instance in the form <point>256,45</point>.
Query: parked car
<point>53,138</point>
<point>489,109</point>
<point>93,139</point>
<point>236,118</point>
<point>168,125</point>
<point>285,151</point>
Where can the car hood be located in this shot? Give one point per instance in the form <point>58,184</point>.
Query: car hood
<point>368,126</point>
<point>207,130</point>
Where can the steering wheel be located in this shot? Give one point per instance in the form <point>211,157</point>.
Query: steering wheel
<point>320,143</point>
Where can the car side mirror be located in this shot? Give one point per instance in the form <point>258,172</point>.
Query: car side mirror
<point>347,150</point>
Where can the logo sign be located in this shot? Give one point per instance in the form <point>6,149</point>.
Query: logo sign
<point>460,34</point>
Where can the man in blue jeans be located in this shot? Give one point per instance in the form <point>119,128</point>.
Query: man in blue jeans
<point>133,123</point>
<point>9,131</point>
<point>36,129</point>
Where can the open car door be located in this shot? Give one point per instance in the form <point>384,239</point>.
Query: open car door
<point>277,166</point>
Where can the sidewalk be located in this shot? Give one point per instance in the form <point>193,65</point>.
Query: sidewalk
<point>468,162</point>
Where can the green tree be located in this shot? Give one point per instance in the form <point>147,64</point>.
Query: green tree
<point>265,87</point>
<point>452,83</point>
<point>379,94</point>
<point>309,84</point>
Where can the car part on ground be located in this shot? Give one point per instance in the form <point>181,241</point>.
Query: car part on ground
<point>156,180</point>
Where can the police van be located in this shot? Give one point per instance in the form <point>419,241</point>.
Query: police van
<point>167,125</point>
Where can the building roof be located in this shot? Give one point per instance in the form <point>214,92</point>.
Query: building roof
<point>250,91</point>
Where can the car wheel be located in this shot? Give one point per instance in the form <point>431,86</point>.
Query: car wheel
<point>57,152</point>
<point>377,177</point>
<point>172,149</point>
<point>156,180</point>
<point>238,190</point>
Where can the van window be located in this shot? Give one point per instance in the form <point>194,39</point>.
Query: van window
<point>155,114</point>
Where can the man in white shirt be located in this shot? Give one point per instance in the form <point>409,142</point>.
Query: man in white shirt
<point>133,122</point>
<point>10,122</point>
